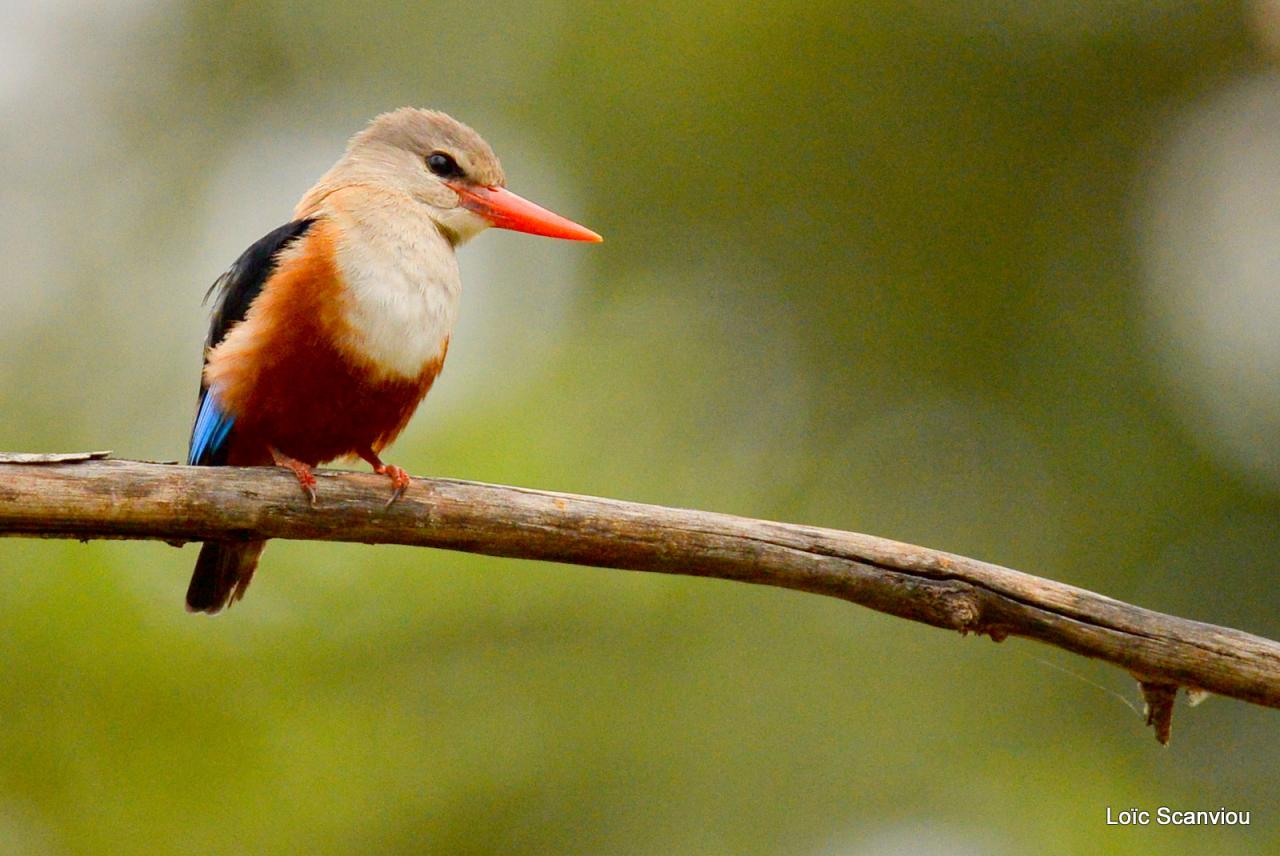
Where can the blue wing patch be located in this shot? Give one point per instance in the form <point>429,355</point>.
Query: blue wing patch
<point>209,436</point>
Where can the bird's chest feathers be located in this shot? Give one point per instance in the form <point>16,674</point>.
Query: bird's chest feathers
<point>401,286</point>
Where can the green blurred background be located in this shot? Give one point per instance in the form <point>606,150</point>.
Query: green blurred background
<point>996,277</point>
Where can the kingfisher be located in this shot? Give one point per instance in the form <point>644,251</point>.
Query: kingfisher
<point>328,332</point>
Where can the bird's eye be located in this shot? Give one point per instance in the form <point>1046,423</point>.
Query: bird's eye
<point>443,165</point>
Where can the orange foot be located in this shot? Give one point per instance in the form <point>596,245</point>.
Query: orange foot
<point>300,470</point>
<point>400,480</point>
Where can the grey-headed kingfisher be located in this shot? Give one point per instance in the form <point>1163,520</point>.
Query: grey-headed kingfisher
<point>328,332</point>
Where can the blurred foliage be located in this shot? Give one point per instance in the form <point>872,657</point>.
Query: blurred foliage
<point>867,265</point>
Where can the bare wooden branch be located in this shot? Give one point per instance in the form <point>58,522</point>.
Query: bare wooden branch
<point>128,499</point>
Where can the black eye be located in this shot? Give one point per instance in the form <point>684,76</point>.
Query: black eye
<point>444,165</point>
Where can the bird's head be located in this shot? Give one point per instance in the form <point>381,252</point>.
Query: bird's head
<point>449,168</point>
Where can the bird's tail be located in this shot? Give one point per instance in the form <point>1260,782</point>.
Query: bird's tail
<point>222,573</point>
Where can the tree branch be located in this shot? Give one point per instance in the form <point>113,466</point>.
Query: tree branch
<point>92,498</point>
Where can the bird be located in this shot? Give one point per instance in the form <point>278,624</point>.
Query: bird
<point>327,333</point>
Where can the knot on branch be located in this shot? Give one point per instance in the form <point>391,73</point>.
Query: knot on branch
<point>949,604</point>
<point>963,609</point>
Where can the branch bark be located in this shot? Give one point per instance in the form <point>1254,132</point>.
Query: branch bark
<point>93,498</point>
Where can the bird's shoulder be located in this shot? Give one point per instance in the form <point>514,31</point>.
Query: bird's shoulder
<point>235,290</point>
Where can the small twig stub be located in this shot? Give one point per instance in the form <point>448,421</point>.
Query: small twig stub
<point>1160,699</point>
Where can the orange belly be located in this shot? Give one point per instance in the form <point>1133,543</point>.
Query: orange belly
<point>285,377</point>
<point>317,406</point>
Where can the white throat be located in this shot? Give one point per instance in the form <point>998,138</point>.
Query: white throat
<point>402,285</point>
<point>462,224</point>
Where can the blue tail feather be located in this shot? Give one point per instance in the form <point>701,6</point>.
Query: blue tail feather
<point>212,428</point>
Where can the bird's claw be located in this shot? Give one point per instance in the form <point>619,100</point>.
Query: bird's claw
<point>399,483</point>
<point>302,472</point>
<point>400,480</point>
<point>307,482</point>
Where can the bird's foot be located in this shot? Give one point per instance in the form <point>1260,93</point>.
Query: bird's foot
<point>300,470</point>
<point>400,480</point>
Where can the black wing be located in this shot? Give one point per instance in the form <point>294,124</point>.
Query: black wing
<point>236,290</point>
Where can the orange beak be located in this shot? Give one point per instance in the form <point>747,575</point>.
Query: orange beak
<point>506,210</point>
